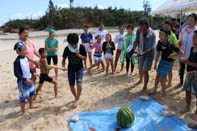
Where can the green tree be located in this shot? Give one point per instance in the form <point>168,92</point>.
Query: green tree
<point>71,3</point>
<point>147,7</point>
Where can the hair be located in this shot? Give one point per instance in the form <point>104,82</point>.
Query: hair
<point>165,30</point>
<point>195,32</point>
<point>121,26</point>
<point>21,30</point>
<point>16,46</point>
<point>41,50</point>
<point>144,22</point>
<point>85,26</point>
<point>72,38</point>
<point>169,23</point>
<point>97,36</point>
<point>130,26</point>
<point>193,15</point>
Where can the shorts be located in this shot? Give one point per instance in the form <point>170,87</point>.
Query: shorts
<point>75,76</point>
<point>55,59</point>
<point>45,77</point>
<point>164,68</point>
<point>118,51</point>
<point>87,47</point>
<point>145,65</point>
<point>108,56</point>
<point>98,58</point>
<point>191,85</point>
<point>25,90</point>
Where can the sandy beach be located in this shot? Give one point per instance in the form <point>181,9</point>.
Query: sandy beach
<point>98,92</point>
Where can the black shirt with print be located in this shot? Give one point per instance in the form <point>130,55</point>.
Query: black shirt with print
<point>74,62</point>
<point>166,49</point>
<point>192,58</point>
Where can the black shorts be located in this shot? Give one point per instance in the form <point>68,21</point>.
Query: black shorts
<point>45,77</point>
<point>55,59</point>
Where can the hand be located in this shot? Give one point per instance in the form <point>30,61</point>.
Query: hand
<point>191,74</point>
<point>109,45</point>
<point>182,59</point>
<point>37,75</point>
<point>77,53</point>
<point>121,39</point>
<point>64,69</point>
<point>140,54</point>
<point>37,63</point>
<point>170,56</point>
<point>29,82</point>
<point>55,50</point>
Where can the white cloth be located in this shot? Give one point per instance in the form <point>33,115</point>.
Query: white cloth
<point>74,50</point>
<point>117,40</point>
<point>186,37</point>
<point>108,56</point>
<point>102,34</point>
<point>87,47</point>
<point>25,68</point>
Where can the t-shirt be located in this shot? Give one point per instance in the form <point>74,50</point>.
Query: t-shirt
<point>172,38</point>
<point>98,49</point>
<point>166,49</point>
<point>193,59</point>
<point>120,43</point>
<point>146,42</point>
<point>86,37</point>
<point>186,36</point>
<point>102,34</point>
<point>51,45</point>
<point>74,62</point>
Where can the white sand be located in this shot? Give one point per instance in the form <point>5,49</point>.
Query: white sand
<point>98,93</point>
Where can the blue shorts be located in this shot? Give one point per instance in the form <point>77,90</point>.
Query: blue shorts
<point>75,76</point>
<point>164,68</point>
<point>98,58</point>
<point>25,90</point>
<point>191,85</point>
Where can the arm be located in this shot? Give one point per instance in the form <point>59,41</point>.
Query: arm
<point>186,61</point>
<point>112,46</point>
<point>17,71</point>
<point>48,49</point>
<point>156,59</point>
<point>33,61</point>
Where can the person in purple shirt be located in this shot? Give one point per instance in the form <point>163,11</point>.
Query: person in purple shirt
<point>87,40</point>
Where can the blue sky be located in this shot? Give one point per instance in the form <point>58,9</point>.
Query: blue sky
<point>20,9</point>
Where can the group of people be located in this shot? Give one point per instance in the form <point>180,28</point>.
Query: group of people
<point>139,48</point>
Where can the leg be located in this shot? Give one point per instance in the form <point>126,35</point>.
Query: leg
<point>49,61</point>
<point>132,67</point>
<point>55,61</point>
<point>103,66</point>
<point>122,66</point>
<point>157,80</point>
<point>181,73</point>
<point>112,65</point>
<point>31,103</point>
<point>116,60</point>
<point>169,79</point>
<point>96,64</point>
<point>22,104</point>
<point>55,87</point>
<point>127,64</point>
<point>163,84</point>
<point>107,66</point>
<point>85,64</point>
<point>146,79</point>
<point>90,57</point>
<point>71,79</point>
<point>79,89</point>
<point>188,98</point>
<point>37,90</point>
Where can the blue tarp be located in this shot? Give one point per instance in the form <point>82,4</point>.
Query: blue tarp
<point>147,118</point>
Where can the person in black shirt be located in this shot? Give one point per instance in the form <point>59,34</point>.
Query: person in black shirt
<point>76,54</point>
<point>190,85</point>
<point>167,51</point>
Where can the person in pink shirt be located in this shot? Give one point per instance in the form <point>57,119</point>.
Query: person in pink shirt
<point>97,54</point>
<point>31,51</point>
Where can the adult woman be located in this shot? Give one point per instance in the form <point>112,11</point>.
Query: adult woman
<point>31,51</point>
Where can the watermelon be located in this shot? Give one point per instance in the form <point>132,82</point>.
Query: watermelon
<point>125,117</point>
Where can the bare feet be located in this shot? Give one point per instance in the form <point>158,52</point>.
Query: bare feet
<point>34,107</point>
<point>169,85</point>
<point>192,125</point>
<point>185,111</point>
<point>75,104</point>
<point>194,117</point>
<point>152,93</point>
<point>139,82</point>
<point>179,85</point>
<point>143,90</point>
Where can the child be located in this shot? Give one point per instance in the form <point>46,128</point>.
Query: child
<point>108,49</point>
<point>128,42</point>
<point>87,39</point>
<point>76,54</point>
<point>190,85</point>
<point>166,50</point>
<point>51,45</point>
<point>98,53</point>
<point>120,40</point>
<point>24,77</point>
<point>44,69</point>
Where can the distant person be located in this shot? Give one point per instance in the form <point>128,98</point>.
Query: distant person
<point>24,76</point>
<point>190,85</point>
<point>120,40</point>
<point>87,40</point>
<point>185,43</point>
<point>44,69</point>
<point>101,32</point>
<point>173,39</point>
<point>167,51</point>
<point>145,39</point>
<point>108,50</point>
<point>51,45</point>
<point>98,58</point>
<point>129,39</point>
<point>75,53</point>
<point>31,51</point>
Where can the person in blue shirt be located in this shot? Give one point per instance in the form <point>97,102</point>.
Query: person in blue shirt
<point>87,41</point>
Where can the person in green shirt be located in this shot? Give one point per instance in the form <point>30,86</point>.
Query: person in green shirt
<point>51,45</point>
<point>173,39</point>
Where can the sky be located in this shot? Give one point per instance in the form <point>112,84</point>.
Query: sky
<point>21,9</point>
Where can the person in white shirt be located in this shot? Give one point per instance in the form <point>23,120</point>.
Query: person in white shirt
<point>120,40</point>
<point>101,32</point>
